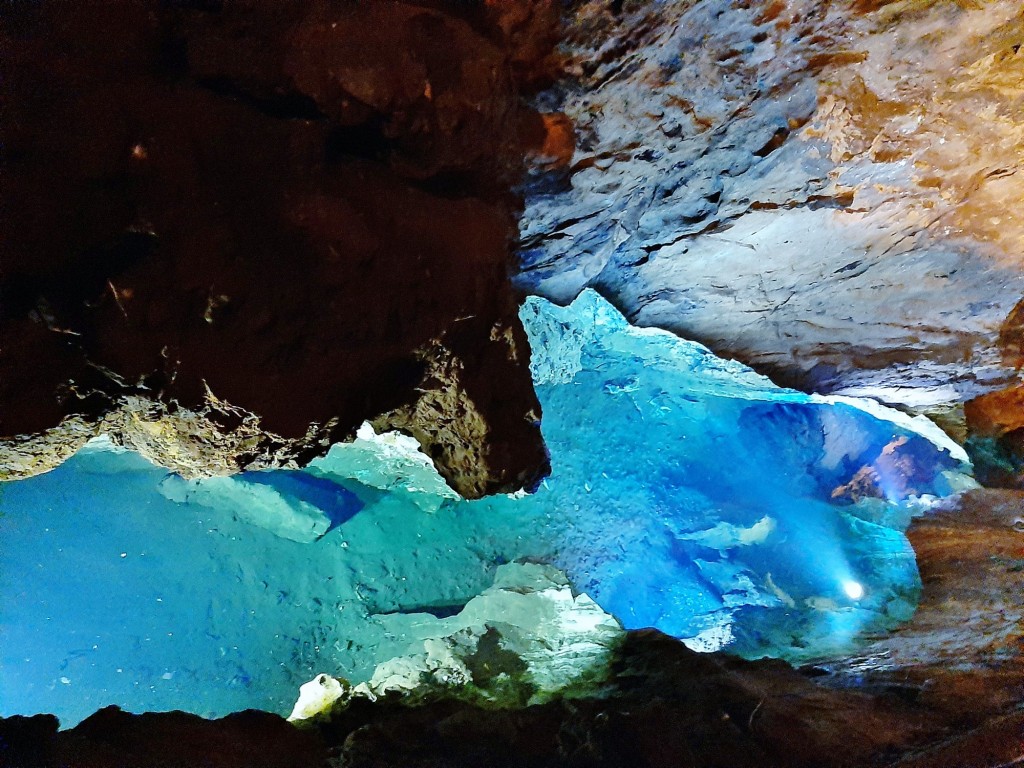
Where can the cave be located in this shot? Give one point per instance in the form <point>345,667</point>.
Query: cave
<point>512,383</point>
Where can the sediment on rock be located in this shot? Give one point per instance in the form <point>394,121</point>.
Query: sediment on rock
<point>938,692</point>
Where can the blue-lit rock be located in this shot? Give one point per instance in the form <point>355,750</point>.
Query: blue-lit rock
<point>691,494</point>
<point>687,493</point>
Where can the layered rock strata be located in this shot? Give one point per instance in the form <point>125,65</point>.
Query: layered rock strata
<point>827,191</point>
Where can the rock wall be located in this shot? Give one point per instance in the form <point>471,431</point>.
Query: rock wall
<point>827,191</point>
<point>234,231</point>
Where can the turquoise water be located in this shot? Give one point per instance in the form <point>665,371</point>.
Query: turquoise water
<point>687,493</point>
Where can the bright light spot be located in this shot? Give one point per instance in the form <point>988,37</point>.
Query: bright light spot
<point>853,590</point>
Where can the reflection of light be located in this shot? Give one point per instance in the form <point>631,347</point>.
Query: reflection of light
<point>853,590</point>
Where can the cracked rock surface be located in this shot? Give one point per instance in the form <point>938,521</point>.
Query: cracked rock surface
<point>827,191</point>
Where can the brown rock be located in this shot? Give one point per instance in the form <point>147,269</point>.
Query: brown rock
<point>264,216</point>
<point>960,660</point>
<point>997,413</point>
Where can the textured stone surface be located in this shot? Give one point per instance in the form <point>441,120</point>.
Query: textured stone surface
<point>159,740</point>
<point>960,660</point>
<point>971,615</point>
<point>944,691</point>
<point>994,421</point>
<point>826,190</point>
<point>749,518</point>
<point>526,640</point>
<point>272,220</point>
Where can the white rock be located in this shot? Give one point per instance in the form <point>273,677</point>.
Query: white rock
<point>317,696</point>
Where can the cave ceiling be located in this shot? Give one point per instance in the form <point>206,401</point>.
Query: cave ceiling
<point>235,232</point>
<point>246,228</point>
<point>824,190</point>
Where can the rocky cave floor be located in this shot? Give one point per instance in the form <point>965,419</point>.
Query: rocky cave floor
<point>672,146</point>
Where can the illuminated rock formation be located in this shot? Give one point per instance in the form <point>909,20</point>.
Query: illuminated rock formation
<point>828,191</point>
<point>688,493</point>
<point>250,240</point>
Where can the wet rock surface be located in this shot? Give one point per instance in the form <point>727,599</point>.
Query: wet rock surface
<point>945,690</point>
<point>960,660</point>
<point>994,421</point>
<point>273,220</point>
<point>970,551</point>
<point>824,190</point>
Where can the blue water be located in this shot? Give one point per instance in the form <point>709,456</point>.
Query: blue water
<point>687,493</point>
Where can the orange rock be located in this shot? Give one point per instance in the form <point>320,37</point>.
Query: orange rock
<point>996,413</point>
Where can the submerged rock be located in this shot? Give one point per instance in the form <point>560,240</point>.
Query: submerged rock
<point>687,493</point>
<point>524,641</point>
<point>696,496</point>
<point>662,703</point>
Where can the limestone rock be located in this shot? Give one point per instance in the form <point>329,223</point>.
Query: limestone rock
<point>526,640</point>
<point>827,191</point>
